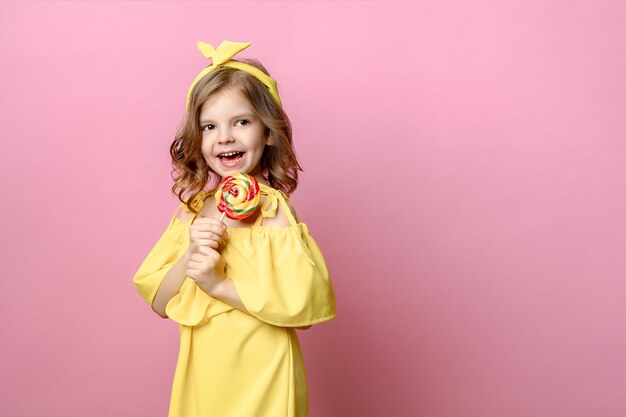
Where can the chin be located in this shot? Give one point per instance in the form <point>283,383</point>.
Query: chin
<point>233,172</point>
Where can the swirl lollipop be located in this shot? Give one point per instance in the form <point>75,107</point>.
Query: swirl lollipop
<point>237,196</point>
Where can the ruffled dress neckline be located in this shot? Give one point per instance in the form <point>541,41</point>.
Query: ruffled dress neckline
<point>269,208</point>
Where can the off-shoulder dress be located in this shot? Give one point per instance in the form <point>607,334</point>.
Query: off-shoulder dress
<point>237,364</point>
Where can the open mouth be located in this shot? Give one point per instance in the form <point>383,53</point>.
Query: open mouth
<point>230,159</point>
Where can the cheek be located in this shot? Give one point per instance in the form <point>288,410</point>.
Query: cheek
<point>205,147</point>
<point>261,135</point>
<point>206,153</point>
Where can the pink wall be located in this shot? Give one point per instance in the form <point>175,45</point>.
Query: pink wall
<point>464,174</point>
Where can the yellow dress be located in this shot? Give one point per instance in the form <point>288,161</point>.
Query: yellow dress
<point>231,363</point>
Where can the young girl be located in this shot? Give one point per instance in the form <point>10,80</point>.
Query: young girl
<point>238,288</point>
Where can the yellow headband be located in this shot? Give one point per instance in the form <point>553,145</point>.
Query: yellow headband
<point>221,56</point>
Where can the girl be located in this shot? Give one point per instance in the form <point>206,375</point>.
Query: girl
<point>238,288</point>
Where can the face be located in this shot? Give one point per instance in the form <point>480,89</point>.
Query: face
<point>233,137</point>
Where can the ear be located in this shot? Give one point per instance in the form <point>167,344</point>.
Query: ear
<point>269,140</point>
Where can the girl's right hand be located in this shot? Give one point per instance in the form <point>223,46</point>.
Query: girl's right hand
<point>206,231</point>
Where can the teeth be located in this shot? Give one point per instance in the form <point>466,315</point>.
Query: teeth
<point>229,153</point>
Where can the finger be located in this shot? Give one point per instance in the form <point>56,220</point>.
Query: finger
<point>211,243</point>
<point>204,221</point>
<point>194,265</point>
<point>205,250</point>
<point>197,257</point>
<point>209,225</point>
<point>206,242</point>
<point>209,235</point>
<point>211,257</point>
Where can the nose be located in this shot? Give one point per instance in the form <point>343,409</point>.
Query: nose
<point>225,136</point>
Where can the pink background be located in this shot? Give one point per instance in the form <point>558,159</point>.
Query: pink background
<point>464,175</point>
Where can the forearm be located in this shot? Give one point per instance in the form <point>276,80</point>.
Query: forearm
<point>226,291</point>
<point>170,286</point>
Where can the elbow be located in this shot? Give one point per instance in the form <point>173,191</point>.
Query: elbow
<point>161,314</point>
<point>158,311</point>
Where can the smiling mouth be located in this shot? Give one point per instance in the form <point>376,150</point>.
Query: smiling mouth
<point>230,156</point>
<point>231,159</point>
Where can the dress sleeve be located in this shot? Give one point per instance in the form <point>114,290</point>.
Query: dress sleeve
<point>190,306</point>
<point>160,260</point>
<point>281,276</point>
<point>193,307</point>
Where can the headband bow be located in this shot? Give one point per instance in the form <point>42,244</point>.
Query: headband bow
<point>221,57</point>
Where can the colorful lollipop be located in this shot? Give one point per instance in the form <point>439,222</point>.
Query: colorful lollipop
<point>237,196</point>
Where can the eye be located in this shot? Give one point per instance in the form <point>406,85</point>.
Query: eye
<point>207,127</point>
<point>245,122</point>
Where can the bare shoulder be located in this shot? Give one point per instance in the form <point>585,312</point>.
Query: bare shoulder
<point>293,211</point>
<point>185,216</point>
<point>281,219</point>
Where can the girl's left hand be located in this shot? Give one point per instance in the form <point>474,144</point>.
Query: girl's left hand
<point>206,267</point>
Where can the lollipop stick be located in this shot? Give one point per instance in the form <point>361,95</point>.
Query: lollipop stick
<point>222,218</point>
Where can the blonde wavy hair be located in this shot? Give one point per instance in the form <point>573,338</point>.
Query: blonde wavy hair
<point>279,164</point>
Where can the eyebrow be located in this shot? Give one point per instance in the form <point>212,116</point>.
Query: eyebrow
<point>241,116</point>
